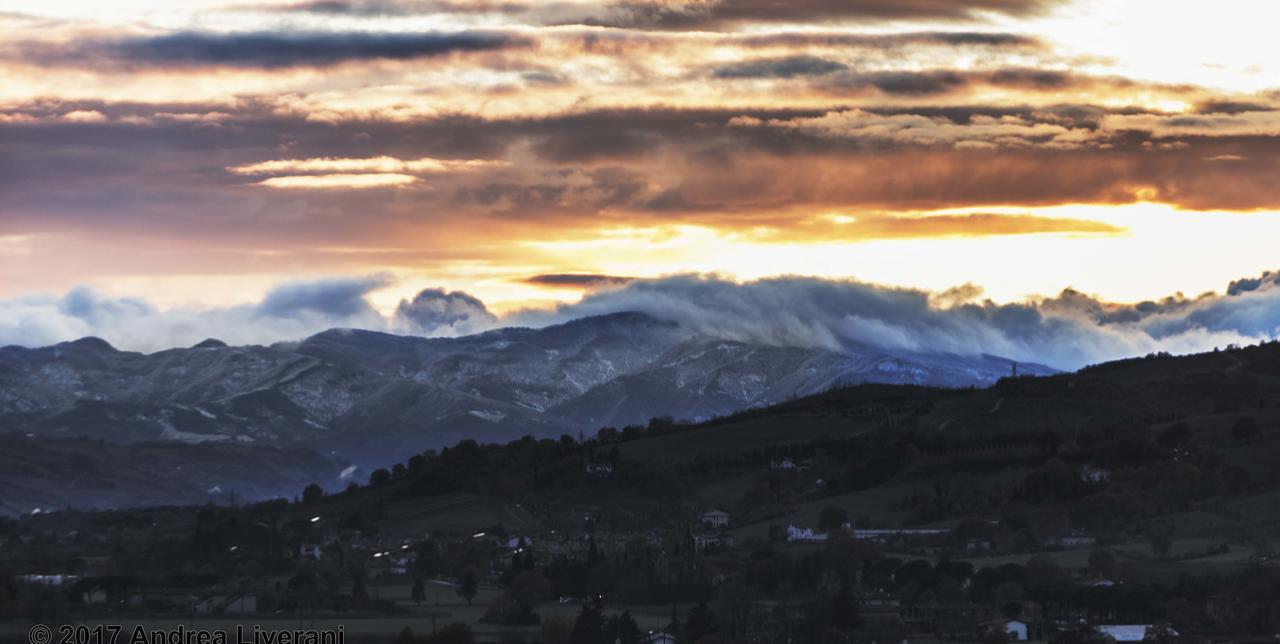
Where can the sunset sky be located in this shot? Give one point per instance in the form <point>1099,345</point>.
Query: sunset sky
<point>199,154</point>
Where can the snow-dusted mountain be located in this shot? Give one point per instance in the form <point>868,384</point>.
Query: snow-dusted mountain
<point>371,398</point>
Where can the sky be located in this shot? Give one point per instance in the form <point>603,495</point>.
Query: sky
<point>207,156</point>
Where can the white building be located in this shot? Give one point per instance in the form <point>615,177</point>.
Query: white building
<point>1091,474</point>
<point>1127,632</point>
<point>1074,540</point>
<point>600,469</point>
<point>1015,628</point>
<point>714,519</point>
<point>805,534</point>
<point>891,533</point>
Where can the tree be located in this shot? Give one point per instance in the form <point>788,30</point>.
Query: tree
<point>419,592</point>
<point>832,518</point>
<point>312,493</point>
<point>1102,563</point>
<point>701,622</point>
<point>359,594</point>
<point>844,610</point>
<point>379,476</point>
<point>1161,634</point>
<point>469,585</point>
<point>1082,634</point>
<point>1245,428</point>
<point>456,633</point>
<point>1161,541</point>
<point>528,589</point>
<point>622,628</point>
<point>556,629</point>
<point>1175,435</point>
<point>1048,441</point>
<point>588,628</point>
<point>997,634</point>
<point>1260,541</point>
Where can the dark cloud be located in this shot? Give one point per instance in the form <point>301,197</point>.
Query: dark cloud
<point>898,40</point>
<point>1253,283</point>
<point>334,298</point>
<point>577,280</point>
<point>723,13</point>
<point>435,311</point>
<point>266,50</point>
<point>914,83</point>
<point>1231,107</point>
<point>147,171</point>
<point>394,8</point>
<point>788,67</point>
<point>1038,79</point>
<point>685,14</point>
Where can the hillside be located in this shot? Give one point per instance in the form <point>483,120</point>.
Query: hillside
<point>370,398</point>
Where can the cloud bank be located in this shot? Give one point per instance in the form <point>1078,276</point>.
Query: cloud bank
<point>1067,331</point>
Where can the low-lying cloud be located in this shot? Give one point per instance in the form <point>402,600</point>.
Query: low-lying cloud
<point>435,311</point>
<point>1066,331</point>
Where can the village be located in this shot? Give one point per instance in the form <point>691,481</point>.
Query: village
<point>278,564</point>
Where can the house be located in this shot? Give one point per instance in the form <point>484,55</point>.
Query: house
<point>1098,582</point>
<point>660,637</point>
<point>882,535</point>
<point>1073,540</point>
<point>805,534</point>
<point>705,542</point>
<point>599,469</point>
<point>226,605</point>
<point>1092,474</point>
<point>978,546</point>
<point>240,605</point>
<point>714,519</point>
<point>1016,629</point>
<point>1127,632</point>
<point>47,580</point>
<point>94,596</point>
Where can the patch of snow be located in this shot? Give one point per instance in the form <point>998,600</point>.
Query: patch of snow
<point>171,434</point>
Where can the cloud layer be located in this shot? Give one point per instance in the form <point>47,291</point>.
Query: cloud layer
<point>1066,331</point>
<point>263,50</point>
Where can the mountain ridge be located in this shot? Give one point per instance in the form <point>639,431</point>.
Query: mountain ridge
<point>366,397</point>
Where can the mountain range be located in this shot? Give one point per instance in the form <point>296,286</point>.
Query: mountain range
<point>356,399</point>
